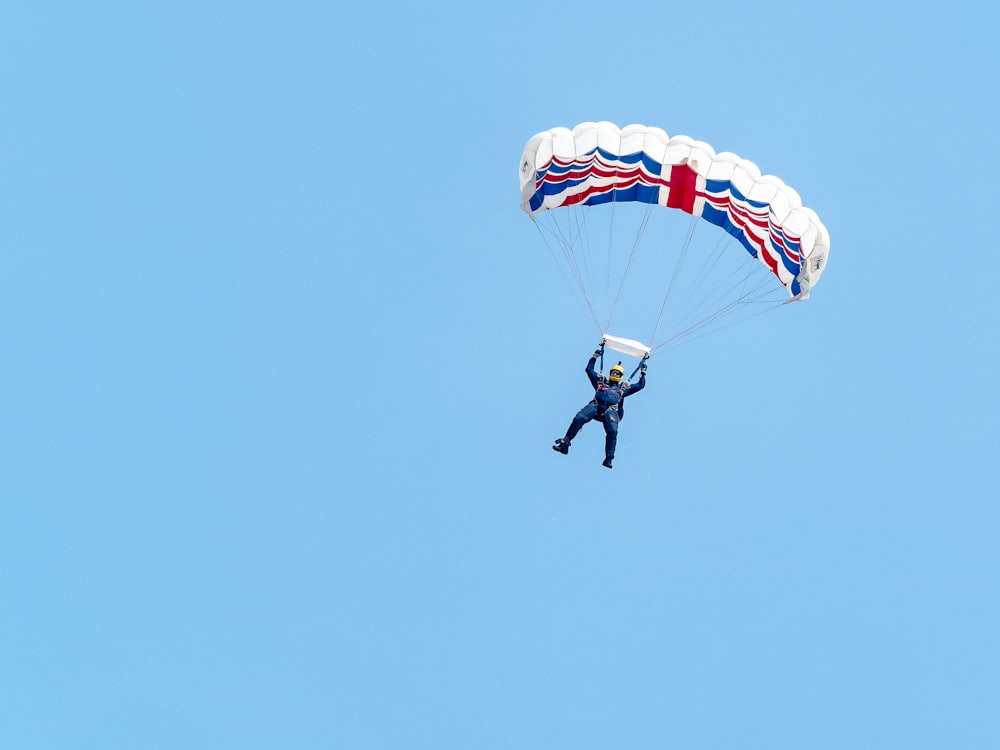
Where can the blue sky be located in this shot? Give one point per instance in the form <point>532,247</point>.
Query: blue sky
<point>283,359</point>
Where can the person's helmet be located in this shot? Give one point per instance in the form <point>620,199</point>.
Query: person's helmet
<point>616,373</point>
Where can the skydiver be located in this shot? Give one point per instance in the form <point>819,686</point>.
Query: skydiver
<point>608,405</point>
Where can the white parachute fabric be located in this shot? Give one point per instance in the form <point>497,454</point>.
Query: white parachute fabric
<point>631,347</point>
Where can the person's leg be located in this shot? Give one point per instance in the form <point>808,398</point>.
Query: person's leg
<point>610,436</point>
<point>582,417</point>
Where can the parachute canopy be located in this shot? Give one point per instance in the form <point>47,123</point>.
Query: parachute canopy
<point>598,162</point>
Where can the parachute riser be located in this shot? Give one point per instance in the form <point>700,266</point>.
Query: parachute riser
<point>637,368</point>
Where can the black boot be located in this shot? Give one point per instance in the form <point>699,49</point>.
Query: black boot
<point>607,461</point>
<point>561,445</point>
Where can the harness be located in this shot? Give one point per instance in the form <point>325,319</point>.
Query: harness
<point>602,408</point>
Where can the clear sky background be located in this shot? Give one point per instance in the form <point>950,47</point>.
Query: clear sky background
<point>282,360</point>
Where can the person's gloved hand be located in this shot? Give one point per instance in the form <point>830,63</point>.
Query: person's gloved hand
<point>597,353</point>
<point>643,368</point>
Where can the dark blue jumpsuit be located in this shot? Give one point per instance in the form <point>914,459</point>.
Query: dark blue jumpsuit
<point>608,406</point>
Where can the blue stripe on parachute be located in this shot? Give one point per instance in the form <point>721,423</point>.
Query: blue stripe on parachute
<point>638,193</point>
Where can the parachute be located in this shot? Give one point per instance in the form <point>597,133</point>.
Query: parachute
<point>779,248</point>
